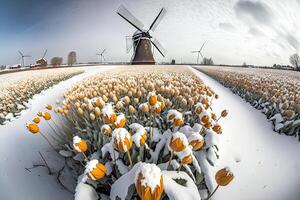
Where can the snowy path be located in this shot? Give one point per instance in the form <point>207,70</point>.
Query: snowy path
<point>266,165</point>
<point>19,150</point>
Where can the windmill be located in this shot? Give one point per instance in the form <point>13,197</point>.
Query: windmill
<point>42,62</point>
<point>141,40</point>
<point>22,57</point>
<point>199,52</point>
<point>101,55</point>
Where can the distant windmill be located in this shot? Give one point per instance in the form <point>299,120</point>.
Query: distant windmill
<point>42,62</point>
<point>101,55</point>
<point>141,40</point>
<point>22,57</point>
<point>199,52</point>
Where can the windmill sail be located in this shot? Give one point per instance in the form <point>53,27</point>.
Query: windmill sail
<point>158,19</point>
<point>130,18</point>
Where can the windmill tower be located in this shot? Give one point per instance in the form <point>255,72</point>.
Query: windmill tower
<point>22,58</point>
<point>101,55</point>
<point>141,39</point>
<point>199,53</point>
<point>42,62</point>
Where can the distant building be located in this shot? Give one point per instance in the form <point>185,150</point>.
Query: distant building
<point>17,66</point>
<point>42,62</point>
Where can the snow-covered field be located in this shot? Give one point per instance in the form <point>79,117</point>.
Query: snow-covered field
<point>265,165</point>
<point>19,150</point>
<point>274,92</point>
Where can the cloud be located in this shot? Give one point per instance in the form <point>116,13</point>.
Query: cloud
<point>292,41</point>
<point>256,32</point>
<point>227,26</point>
<point>258,11</point>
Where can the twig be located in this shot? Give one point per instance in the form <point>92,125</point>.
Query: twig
<point>34,166</point>
<point>45,163</point>
<point>59,181</point>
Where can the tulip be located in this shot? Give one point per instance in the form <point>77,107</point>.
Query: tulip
<point>95,170</point>
<point>106,130</point>
<point>149,190</point>
<point>46,116</point>
<point>196,141</point>
<point>49,107</point>
<point>152,98</point>
<point>223,177</point>
<point>36,120</point>
<point>120,122</point>
<point>33,128</point>
<point>79,144</point>
<point>122,141</point>
<point>217,128</point>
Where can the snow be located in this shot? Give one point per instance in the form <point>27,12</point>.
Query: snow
<point>108,110</point>
<point>119,118</point>
<point>181,136</point>
<point>91,165</point>
<point>86,192</point>
<point>136,138</point>
<point>19,149</point>
<point>179,192</point>
<point>265,164</point>
<point>120,134</point>
<point>76,140</point>
<point>177,114</point>
<point>151,175</point>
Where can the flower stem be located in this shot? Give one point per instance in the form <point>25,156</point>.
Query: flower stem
<point>211,194</point>
<point>129,158</point>
<point>171,156</point>
<point>47,140</point>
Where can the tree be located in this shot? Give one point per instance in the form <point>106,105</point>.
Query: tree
<point>56,61</point>
<point>207,61</point>
<point>72,58</point>
<point>295,61</point>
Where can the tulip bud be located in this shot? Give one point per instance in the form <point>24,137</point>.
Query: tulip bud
<point>178,142</point>
<point>49,107</point>
<point>46,116</point>
<point>224,113</point>
<point>36,120</point>
<point>224,176</point>
<point>122,140</point>
<point>152,98</point>
<point>32,127</point>
<point>106,130</point>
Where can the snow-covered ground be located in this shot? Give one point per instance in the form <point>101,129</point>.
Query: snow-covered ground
<point>19,150</point>
<point>266,165</point>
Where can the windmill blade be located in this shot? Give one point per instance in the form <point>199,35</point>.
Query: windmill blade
<point>159,47</point>
<point>20,53</point>
<point>103,51</point>
<point>130,18</point>
<point>20,58</point>
<point>158,19</point>
<point>201,54</point>
<point>103,58</point>
<point>45,53</point>
<point>194,51</point>
<point>129,43</point>
<point>98,54</point>
<point>202,46</point>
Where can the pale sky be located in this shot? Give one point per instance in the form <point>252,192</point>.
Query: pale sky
<point>236,31</point>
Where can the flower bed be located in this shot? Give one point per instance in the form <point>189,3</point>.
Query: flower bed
<point>147,135</point>
<point>274,92</point>
<point>14,95</point>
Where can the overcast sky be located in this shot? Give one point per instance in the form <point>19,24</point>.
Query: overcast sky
<point>256,32</point>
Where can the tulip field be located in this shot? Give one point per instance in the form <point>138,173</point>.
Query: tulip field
<point>275,92</point>
<point>17,88</point>
<point>150,132</point>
